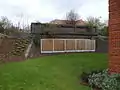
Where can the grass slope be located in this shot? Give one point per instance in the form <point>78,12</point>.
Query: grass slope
<point>59,72</point>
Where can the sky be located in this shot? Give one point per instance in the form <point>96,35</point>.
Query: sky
<point>27,11</point>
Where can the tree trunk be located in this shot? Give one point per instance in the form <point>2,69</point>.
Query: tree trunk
<point>74,27</point>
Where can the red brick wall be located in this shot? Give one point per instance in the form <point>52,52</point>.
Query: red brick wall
<point>114,36</point>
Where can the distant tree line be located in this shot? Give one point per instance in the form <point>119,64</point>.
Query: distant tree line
<point>8,28</point>
<point>101,27</point>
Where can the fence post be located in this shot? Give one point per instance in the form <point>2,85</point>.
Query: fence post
<point>94,45</point>
<point>41,45</point>
<point>64,45</point>
<point>75,44</point>
<point>85,45</point>
<point>53,45</point>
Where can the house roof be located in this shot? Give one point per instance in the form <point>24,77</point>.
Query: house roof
<point>81,22</point>
<point>57,21</point>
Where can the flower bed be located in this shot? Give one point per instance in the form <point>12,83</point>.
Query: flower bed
<point>101,80</point>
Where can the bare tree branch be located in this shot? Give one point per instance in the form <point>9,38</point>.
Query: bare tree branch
<point>72,18</point>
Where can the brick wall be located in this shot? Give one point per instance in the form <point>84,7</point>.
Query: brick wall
<point>114,36</point>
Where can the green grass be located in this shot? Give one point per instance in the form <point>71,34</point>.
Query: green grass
<point>59,72</point>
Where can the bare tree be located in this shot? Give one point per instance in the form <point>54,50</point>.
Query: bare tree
<point>5,25</point>
<point>72,18</point>
<point>5,22</point>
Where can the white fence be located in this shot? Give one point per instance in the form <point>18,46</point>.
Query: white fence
<point>67,45</point>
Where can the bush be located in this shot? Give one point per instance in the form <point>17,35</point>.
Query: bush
<point>84,77</point>
<point>104,80</point>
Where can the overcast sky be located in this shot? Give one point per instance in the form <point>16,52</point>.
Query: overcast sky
<point>47,10</point>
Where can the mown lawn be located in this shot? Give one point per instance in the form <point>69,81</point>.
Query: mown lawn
<point>59,72</point>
